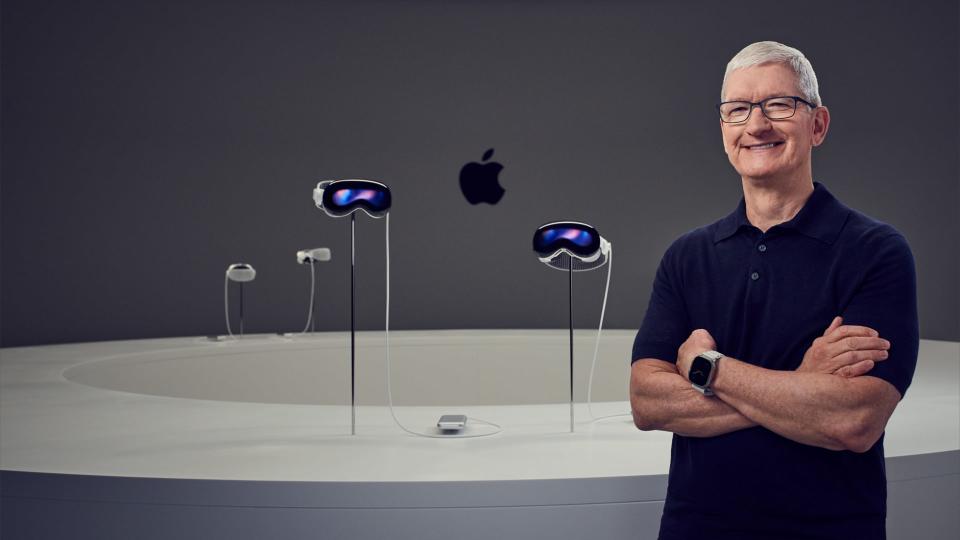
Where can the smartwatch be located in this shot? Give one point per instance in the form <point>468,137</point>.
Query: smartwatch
<point>703,371</point>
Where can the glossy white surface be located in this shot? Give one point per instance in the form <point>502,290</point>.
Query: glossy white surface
<point>49,423</point>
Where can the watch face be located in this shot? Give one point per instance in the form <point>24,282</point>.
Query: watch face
<point>700,371</point>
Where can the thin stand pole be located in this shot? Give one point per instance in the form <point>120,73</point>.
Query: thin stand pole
<point>353,348</point>
<point>241,309</point>
<point>570,272</point>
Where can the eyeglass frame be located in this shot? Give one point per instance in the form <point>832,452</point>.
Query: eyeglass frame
<point>796,100</point>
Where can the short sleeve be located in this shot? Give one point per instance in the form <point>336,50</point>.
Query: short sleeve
<point>666,324</point>
<point>886,300</point>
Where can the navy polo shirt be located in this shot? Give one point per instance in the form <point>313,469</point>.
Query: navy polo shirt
<point>764,297</point>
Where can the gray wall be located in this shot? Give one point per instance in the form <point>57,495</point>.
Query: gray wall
<point>147,146</point>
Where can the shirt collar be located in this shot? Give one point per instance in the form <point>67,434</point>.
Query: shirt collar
<point>729,225</point>
<point>822,217</point>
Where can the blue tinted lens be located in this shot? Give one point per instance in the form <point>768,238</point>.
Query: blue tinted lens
<point>577,236</point>
<point>347,197</point>
<point>343,197</point>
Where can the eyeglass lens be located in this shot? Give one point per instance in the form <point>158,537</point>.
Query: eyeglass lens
<point>775,108</point>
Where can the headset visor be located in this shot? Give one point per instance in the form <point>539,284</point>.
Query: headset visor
<point>578,239</point>
<point>343,197</point>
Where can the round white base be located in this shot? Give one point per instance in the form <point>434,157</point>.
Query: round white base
<point>190,438</point>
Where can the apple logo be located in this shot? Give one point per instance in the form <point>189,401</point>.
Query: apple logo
<point>479,181</point>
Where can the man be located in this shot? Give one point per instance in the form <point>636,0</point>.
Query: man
<point>778,340</point>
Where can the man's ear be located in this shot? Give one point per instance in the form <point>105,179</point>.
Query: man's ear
<point>821,123</point>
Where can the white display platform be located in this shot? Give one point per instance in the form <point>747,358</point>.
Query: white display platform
<point>188,438</point>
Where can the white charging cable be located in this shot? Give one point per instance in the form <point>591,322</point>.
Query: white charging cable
<point>313,279</point>
<point>226,303</point>
<point>596,347</point>
<point>393,413</point>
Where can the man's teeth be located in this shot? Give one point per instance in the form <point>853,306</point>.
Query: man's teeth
<point>762,146</point>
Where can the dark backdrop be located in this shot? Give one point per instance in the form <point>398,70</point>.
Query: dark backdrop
<point>147,145</point>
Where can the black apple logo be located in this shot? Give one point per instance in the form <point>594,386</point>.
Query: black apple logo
<point>479,181</point>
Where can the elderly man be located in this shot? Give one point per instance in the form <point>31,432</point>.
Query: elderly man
<point>779,339</point>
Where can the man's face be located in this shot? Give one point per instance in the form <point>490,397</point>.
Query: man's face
<point>761,148</point>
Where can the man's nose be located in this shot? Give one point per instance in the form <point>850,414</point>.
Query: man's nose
<point>757,122</point>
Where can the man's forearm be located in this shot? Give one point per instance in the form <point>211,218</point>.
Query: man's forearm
<point>811,408</point>
<point>661,399</point>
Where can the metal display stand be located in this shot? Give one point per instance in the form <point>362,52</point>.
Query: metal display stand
<point>570,298</point>
<point>353,321</point>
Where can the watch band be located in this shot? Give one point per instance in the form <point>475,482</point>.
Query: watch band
<point>713,355</point>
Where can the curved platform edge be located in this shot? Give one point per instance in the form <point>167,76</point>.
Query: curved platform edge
<point>332,495</point>
<point>923,494</point>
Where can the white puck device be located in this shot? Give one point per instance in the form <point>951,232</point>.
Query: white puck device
<point>452,422</point>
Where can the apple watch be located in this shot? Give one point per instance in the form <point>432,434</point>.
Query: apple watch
<point>703,371</point>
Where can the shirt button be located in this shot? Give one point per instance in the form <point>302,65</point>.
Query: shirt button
<point>755,276</point>
<point>761,248</point>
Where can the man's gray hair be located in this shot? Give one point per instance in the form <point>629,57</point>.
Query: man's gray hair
<point>767,52</point>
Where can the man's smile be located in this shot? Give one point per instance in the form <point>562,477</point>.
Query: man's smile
<point>763,146</point>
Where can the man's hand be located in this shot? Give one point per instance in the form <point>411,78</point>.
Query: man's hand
<point>848,351</point>
<point>699,341</point>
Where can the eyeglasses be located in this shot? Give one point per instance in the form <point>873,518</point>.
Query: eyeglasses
<point>774,108</point>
